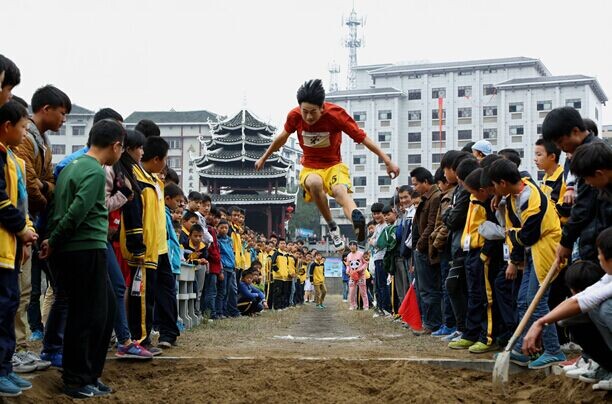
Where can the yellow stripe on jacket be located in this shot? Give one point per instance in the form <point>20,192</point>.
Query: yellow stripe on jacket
<point>477,215</point>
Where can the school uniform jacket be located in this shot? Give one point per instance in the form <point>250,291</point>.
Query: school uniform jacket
<point>554,188</point>
<point>280,265</point>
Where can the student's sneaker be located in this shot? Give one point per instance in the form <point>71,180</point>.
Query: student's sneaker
<point>359,224</point>
<point>22,366</point>
<point>8,388</point>
<point>337,238</point>
<point>133,351</point>
<point>581,367</point>
<point>31,357</point>
<point>571,363</point>
<point>451,337</point>
<point>164,344</point>
<point>19,382</point>
<point>443,331</point>
<point>481,347</point>
<point>604,384</point>
<point>88,391</point>
<point>546,360</point>
<point>56,359</point>
<point>153,350</point>
<point>36,336</point>
<point>461,344</point>
<point>103,388</point>
<point>595,376</point>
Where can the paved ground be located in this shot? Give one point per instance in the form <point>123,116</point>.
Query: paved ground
<point>310,355</point>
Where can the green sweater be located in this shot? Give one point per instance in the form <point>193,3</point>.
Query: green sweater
<point>78,217</point>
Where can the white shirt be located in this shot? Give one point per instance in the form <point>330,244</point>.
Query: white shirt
<point>595,294</point>
<point>378,254</point>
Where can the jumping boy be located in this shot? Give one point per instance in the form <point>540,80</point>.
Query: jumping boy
<point>319,127</point>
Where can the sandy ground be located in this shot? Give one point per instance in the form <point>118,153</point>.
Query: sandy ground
<point>311,355</point>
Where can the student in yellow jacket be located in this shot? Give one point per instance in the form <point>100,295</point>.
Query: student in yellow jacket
<point>316,271</point>
<point>539,235</point>
<point>234,230</point>
<point>280,272</point>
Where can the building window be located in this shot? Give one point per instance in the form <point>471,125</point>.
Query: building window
<point>414,137</point>
<point>435,136</point>
<point>78,131</point>
<point>464,112</point>
<point>384,136</point>
<point>174,162</point>
<point>60,132</point>
<point>360,202</point>
<point>384,180</point>
<point>58,149</point>
<point>489,133</point>
<point>436,158</point>
<point>489,89</point>
<point>539,129</point>
<point>360,181</point>
<point>435,113</point>
<point>384,201</point>
<point>515,107</point>
<point>489,71</point>
<point>384,115</point>
<point>333,204</point>
<point>359,159</point>
<point>174,143</point>
<point>489,111</point>
<point>574,102</point>
<point>521,152</point>
<point>438,92</point>
<point>464,91</point>
<point>414,94</point>
<point>414,76</point>
<point>596,114</point>
<point>465,134</point>
<point>414,115</point>
<point>360,116</point>
<point>517,130</point>
<point>544,105</point>
<point>77,147</point>
<point>380,161</point>
<point>466,73</point>
<point>414,159</point>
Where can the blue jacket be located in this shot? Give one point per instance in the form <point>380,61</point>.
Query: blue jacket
<point>67,160</point>
<point>228,258</point>
<point>174,248</point>
<point>249,292</point>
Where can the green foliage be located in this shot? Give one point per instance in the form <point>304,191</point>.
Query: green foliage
<point>306,216</point>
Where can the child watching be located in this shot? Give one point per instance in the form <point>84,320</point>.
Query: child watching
<point>250,299</point>
<point>355,268</point>
<point>308,286</point>
<point>280,273</point>
<point>227,295</point>
<point>316,272</point>
<point>195,252</point>
<point>547,156</point>
<point>539,233</point>
<point>16,231</point>
<point>189,219</point>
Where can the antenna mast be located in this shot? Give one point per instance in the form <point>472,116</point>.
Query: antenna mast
<point>352,42</point>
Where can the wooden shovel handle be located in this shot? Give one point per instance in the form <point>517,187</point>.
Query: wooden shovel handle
<point>519,329</point>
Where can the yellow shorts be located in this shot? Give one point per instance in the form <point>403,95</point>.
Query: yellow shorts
<point>334,175</point>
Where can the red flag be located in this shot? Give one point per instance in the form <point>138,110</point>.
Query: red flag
<point>409,310</point>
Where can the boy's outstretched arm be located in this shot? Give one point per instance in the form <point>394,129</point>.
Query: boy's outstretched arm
<point>277,143</point>
<point>392,168</point>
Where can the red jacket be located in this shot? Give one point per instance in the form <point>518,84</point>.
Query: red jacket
<point>214,254</point>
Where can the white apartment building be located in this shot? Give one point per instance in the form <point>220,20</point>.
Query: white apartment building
<point>73,135</point>
<point>501,100</point>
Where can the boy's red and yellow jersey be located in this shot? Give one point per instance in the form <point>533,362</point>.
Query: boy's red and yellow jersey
<point>554,188</point>
<point>321,141</point>
<point>477,214</point>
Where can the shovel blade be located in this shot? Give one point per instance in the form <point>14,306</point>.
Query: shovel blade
<point>500,370</point>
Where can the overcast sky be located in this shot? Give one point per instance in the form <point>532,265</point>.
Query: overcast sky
<point>203,54</point>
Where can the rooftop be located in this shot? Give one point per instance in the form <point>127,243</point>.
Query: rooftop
<point>462,65</point>
<point>366,92</point>
<point>255,199</point>
<point>174,117</point>
<point>244,118</point>
<point>78,110</point>
<point>569,80</point>
<point>217,171</point>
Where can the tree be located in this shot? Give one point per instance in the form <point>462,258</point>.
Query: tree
<point>306,216</point>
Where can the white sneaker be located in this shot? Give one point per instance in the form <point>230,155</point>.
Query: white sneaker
<point>337,238</point>
<point>22,364</point>
<point>577,365</point>
<point>588,367</point>
<point>458,337</point>
<point>451,337</point>
<point>605,384</point>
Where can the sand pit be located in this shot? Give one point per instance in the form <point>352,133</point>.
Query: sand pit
<point>309,355</point>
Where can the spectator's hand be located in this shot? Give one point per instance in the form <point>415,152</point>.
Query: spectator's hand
<point>203,261</point>
<point>563,253</point>
<point>45,250</point>
<point>569,197</point>
<point>28,237</point>
<point>393,170</point>
<point>27,251</point>
<point>511,272</point>
<point>532,343</point>
<point>265,305</point>
<point>221,276</point>
<point>411,269</point>
<point>259,164</point>
<point>495,202</point>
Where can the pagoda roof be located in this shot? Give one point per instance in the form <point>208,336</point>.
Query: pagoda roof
<point>223,155</point>
<point>243,119</point>
<point>263,198</point>
<point>216,171</point>
<point>236,138</point>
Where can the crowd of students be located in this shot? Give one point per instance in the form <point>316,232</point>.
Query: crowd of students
<point>109,228</point>
<point>478,237</point>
